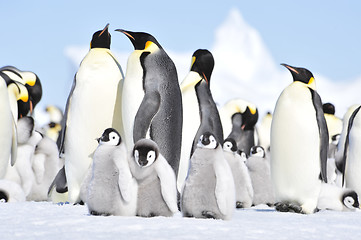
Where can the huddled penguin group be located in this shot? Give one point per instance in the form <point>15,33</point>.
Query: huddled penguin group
<point>144,144</point>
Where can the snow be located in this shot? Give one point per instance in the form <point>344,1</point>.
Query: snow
<point>44,220</point>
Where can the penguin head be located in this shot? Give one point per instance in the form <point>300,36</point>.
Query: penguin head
<point>350,200</point>
<point>249,118</point>
<point>101,39</point>
<point>302,75</point>
<point>203,64</point>
<point>25,127</point>
<point>328,108</point>
<point>335,139</point>
<point>110,137</point>
<point>257,151</point>
<point>140,40</point>
<point>145,152</point>
<point>3,196</point>
<point>207,140</point>
<point>243,155</point>
<point>230,145</point>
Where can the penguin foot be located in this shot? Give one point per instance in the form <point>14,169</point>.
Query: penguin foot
<point>208,214</point>
<point>95,213</point>
<point>239,204</point>
<point>288,207</point>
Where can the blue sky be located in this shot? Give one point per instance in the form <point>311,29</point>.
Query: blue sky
<point>323,36</point>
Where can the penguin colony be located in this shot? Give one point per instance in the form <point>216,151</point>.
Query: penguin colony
<point>143,144</point>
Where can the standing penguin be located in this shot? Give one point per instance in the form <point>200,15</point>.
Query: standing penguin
<point>93,105</point>
<point>157,190</point>
<point>112,190</point>
<point>242,180</point>
<point>201,67</point>
<point>239,119</point>
<point>264,131</point>
<point>297,165</point>
<point>260,173</point>
<point>152,101</point>
<point>351,164</point>
<point>208,190</point>
<point>334,124</point>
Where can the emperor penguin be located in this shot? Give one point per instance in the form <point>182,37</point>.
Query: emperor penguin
<point>32,83</point>
<point>152,100</point>
<point>112,190</point>
<point>334,124</point>
<point>53,127</point>
<point>299,144</point>
<point>94,104</point>
<point>239,119</point>
<point>45,164</point>
<point>11,192</point>
<point>208,191</point>
<point>259,170</point>
<point>201,67</point>
<point>337,198</point>
<point>264,131</point>
<point>242,180</point>
<point>8,135</point>
<point>351,164</point>
<point>157,190</point>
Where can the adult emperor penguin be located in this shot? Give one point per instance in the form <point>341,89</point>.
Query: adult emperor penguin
<point>264,131</point>
<point>152,101</point>
<point>112,190</point>
<point>299,143</point>
<point>242,180</point>
<point>201,67</point>
<point>239,119</point>
<point>94,104</point>
<point>334,124</point>
<point>8,135</point>
<point>351,165</point>
<point>157,189</point>
<point>259,170</point>
<point>208,191</point>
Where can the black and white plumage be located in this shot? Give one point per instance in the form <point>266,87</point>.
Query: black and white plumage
<point>242,180</point>
<point>157,190</point>
<point>260,173</point>
<point>112,190</point>
<point>209,190</point>
<point>11,192</point>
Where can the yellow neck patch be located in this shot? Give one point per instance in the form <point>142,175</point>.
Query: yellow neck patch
<point>193,60</point>
<point>312,83</point>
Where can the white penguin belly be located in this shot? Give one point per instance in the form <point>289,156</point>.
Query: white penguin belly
<point>295,148</point>
<point>132,96</point>
<point>91,111</point>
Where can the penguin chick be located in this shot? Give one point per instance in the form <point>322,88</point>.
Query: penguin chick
<point>208,191</point>
<point>242,180</point>
<point>260,173</point>
<point>46,164</point>
<point>157,190</point>
<point>112,190</point>
<point>333,197</point>
<point>11,192</point>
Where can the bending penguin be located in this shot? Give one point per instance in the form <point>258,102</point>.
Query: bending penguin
<point>112,190</point>
<point>157,190</point>
<point>94,104</point>
<point>201,67</point>
<point>152,101</point>
<point>297,167</point>
<point>242,180</point>
<point>209,190</point>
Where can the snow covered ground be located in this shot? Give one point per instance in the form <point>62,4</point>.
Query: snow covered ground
<point>43,220</point>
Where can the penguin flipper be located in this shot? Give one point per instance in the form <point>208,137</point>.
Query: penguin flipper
<point>167,182</point>
<point>126,182</point>
<point>147,110</point>
<point>345,150</point>
<point>59,182</point>
<point>14,143</point>
<point>61,138</point>
<point>322,127</point>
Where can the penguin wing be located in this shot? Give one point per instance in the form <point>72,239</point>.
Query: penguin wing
<point>345,149</point>
<point>116,62</point>
<point>126,182</point>
<point>147,110</point>
<point>167,183</point>
<point>14,143</point>
<point>61,138</point>
<point>322,127</point>
<point>59,182</point>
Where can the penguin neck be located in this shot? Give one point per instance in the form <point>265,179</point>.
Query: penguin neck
<point>190,81</point>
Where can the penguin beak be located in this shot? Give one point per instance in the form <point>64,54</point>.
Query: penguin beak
<point>292,69</point>
<point>126,33</point>
<point>97,139</point>
<point>105,29</point>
